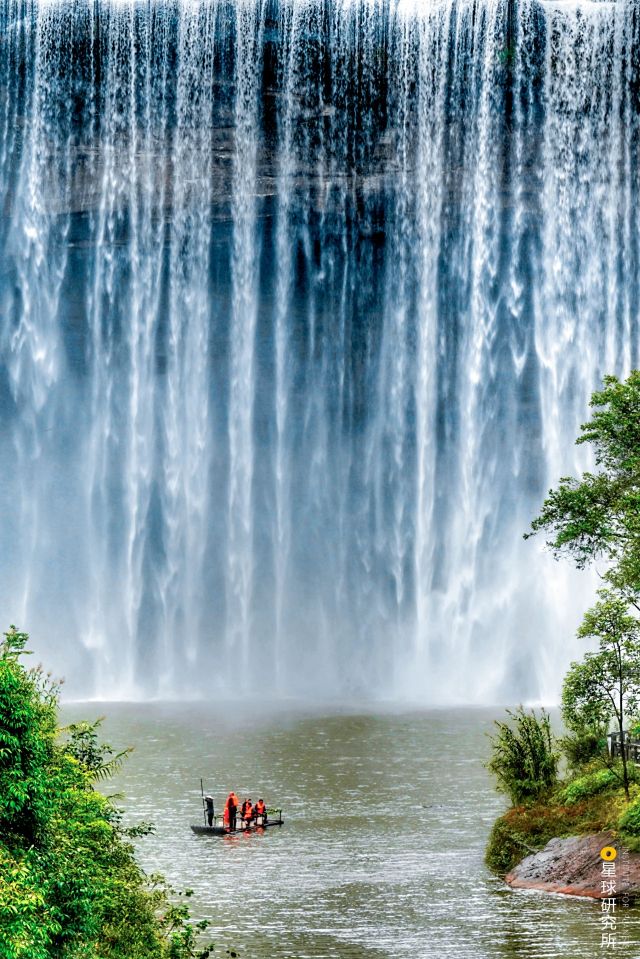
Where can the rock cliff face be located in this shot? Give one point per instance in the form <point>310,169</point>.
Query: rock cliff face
<point>574,867</point>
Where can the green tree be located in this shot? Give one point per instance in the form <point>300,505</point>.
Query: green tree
<point>524,759</point>
<point>70,886</point>
<point>598,516</point>
<point>98,757</point>
<point>605,685</point>
<point>27,731</point>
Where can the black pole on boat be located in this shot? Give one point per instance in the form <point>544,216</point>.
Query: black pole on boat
<point>204,805</point>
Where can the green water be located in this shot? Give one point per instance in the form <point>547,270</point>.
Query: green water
<point>387,816</point>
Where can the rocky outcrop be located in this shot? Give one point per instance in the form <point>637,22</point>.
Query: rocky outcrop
<point>574,867</point>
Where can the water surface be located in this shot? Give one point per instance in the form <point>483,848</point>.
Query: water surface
<point>381,853</point>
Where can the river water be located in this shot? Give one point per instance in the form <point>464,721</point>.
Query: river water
<point>381,854</point>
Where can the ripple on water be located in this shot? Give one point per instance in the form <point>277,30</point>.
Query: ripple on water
<point>381,854</point>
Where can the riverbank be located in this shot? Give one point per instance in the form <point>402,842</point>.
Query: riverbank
<point>553,845</point>
<point>574,867</point>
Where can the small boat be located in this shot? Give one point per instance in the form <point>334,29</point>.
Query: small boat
<point>274,818</point>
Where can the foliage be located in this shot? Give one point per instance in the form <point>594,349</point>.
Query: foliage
<point>70,887</point>
<point>27,728</point>
<point>595,688</point>
<point>96,757</point>
<point>584,744</point>
<point>629,821</point>
<point>606,684</point>
<point>599,515</point>
<point>590,784</point>
<point>524,760</point>
<point>524,830</point>
<point>506,847</point>
<point>594,517</point>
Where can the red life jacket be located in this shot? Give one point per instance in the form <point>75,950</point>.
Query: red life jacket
<point>248,811</point>
<point>260,808</point>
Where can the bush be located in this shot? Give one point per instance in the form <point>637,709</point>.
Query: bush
<point>70,887</point>
<point>590,785</point>
<point>506,847</point>
<point>584,745</point>
<point>526,829</point>
<point>524,761</point>
<point>629,821</point>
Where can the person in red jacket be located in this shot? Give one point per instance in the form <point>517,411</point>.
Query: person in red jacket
<point>247,813</point>
<point>261,813</point>
<point>231,811</point>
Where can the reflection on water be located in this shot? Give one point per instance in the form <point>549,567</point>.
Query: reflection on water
<point>381,853</point>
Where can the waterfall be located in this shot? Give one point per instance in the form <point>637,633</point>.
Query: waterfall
<point>301,306</point>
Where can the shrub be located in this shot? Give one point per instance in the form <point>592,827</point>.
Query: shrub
<point>526,829</point>
<point>506,847</point>
<point>583,745</point>
<point>27,731</point>
<point>590,785</point>
<point>629,821</point>
<point>524,761</point>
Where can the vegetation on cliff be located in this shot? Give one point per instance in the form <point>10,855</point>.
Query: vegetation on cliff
<point>70,887</point>
<point>589,802</point>
<point>596,517</point>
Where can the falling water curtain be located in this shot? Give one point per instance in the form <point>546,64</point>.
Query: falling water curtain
<point>301,305</point>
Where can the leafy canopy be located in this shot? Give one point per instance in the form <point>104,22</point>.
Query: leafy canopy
<point>599,515</point>
<point>70,887</point>
<point>596,516</point>
<point>606,683</point>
